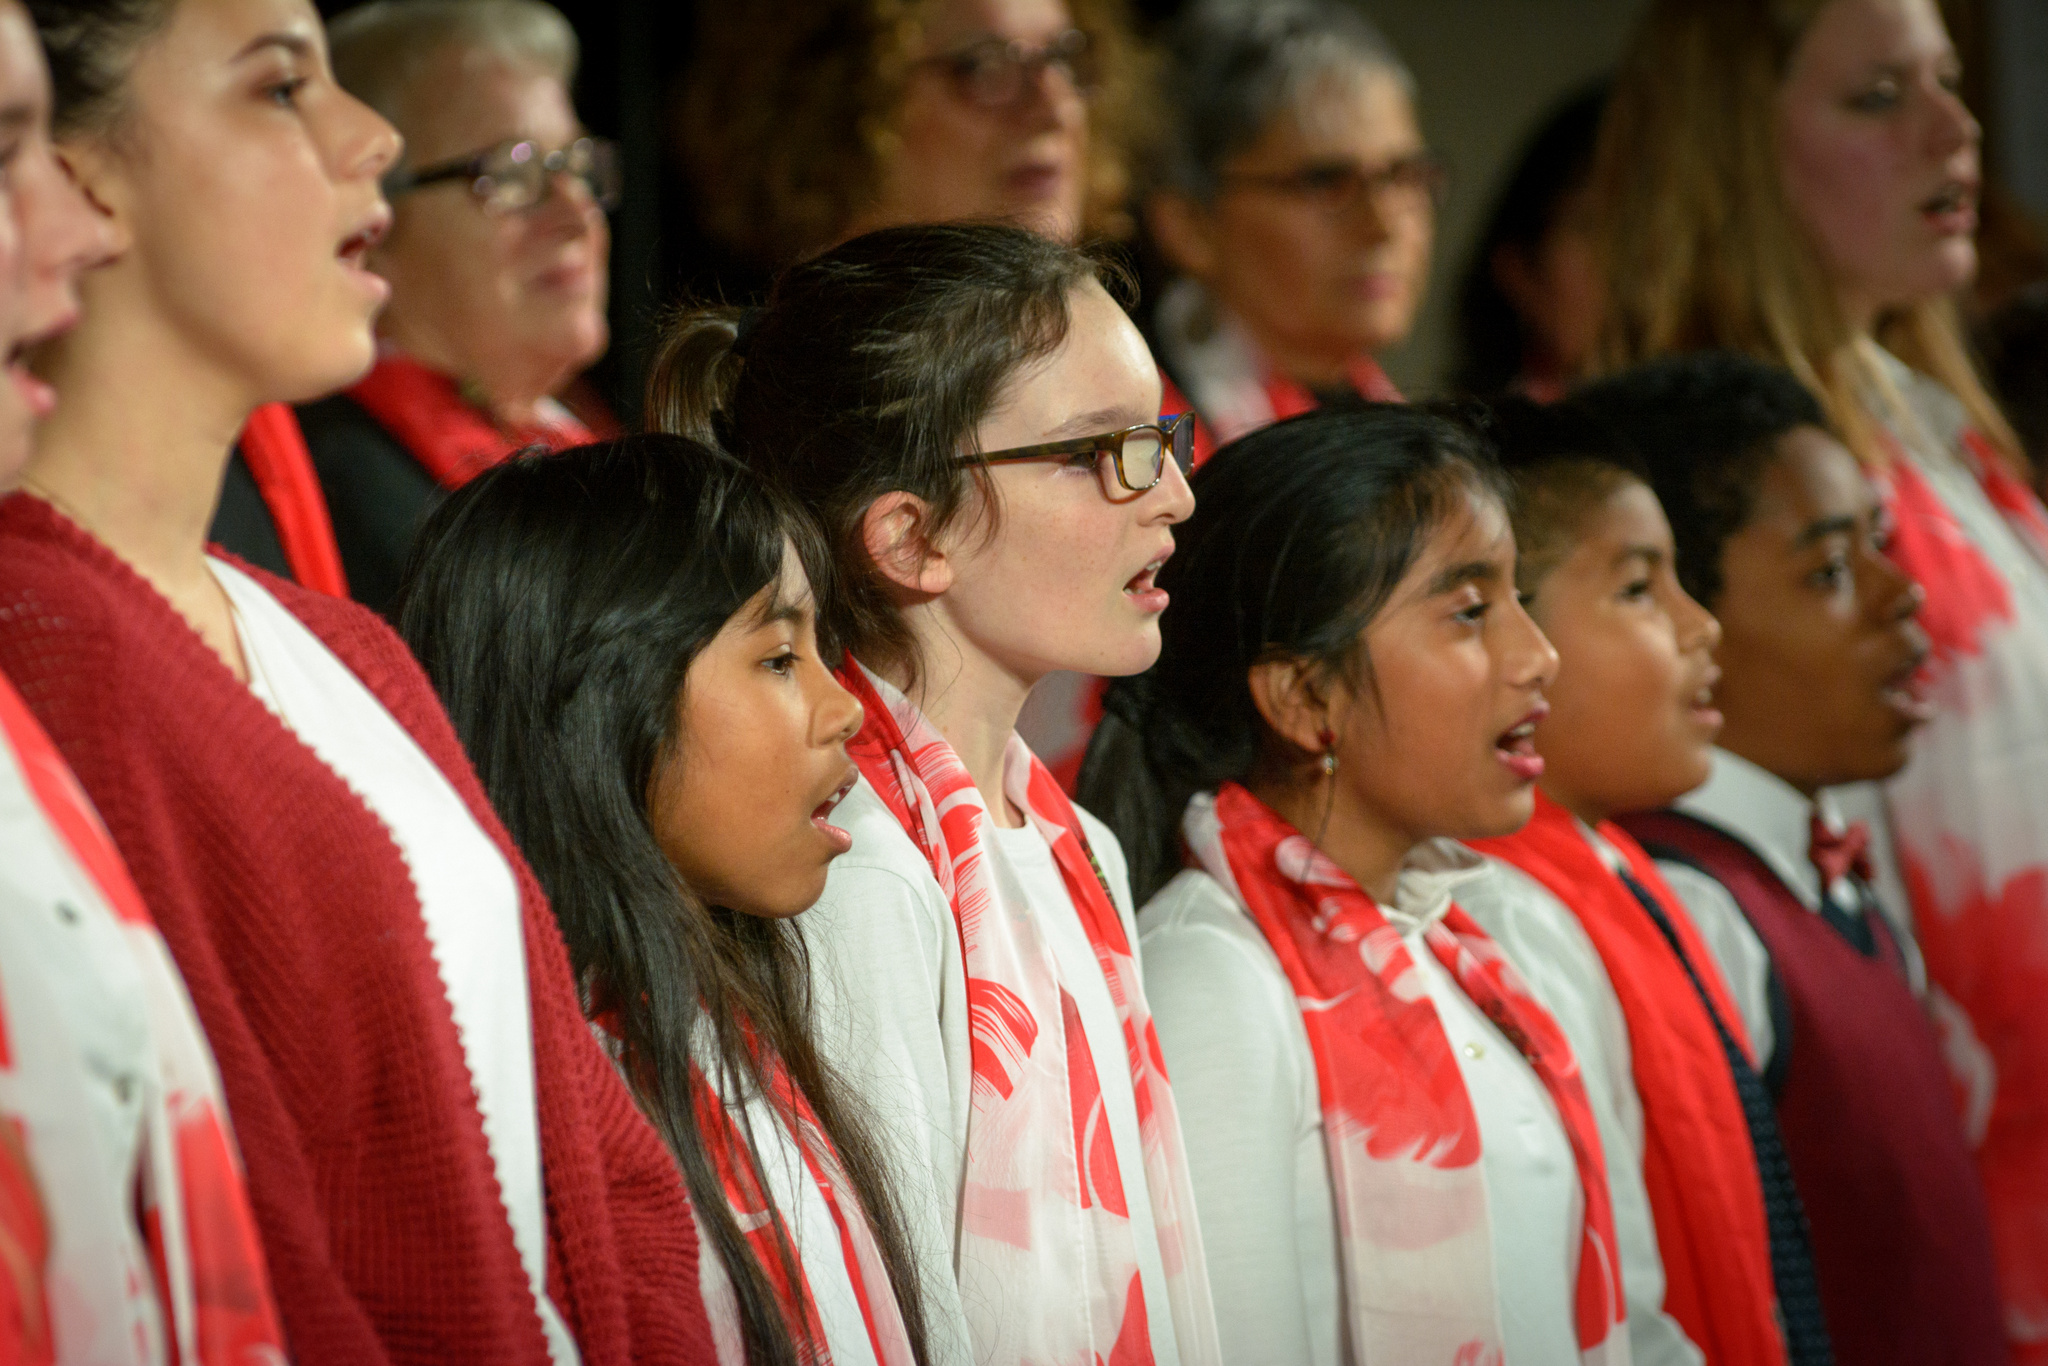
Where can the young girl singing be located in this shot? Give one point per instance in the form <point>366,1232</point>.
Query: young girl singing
<point>441,1161</point>
<point>1395,1155</point>
<point>625,639</point>
<point>975,424</point>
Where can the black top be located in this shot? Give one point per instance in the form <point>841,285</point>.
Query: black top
<point>378,494</point>
<point>242,522</point>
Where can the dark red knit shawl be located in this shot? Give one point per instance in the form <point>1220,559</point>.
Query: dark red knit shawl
<point>296,924</point>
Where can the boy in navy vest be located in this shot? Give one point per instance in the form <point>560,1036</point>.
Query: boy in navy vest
<point>1780,535</point>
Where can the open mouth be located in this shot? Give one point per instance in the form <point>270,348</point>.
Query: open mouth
<point>355,248</point>
<point>840,839</point>
<point>1905,692</point>
<point>1143,587</point>
<point>40,398</point>
<point>1515,747</point>
<point>1701,703</point>
<point>1954,202</point>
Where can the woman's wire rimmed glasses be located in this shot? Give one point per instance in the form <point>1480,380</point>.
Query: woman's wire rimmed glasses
<point>514,176</point>
<point>1135,455</point>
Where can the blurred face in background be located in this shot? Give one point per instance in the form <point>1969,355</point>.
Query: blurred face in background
<point>1878,156</point>
<point>994,121</point>
<point>511,299</point>
<point>1319,236</point>
<point>47,236</point>
<point>1557,290</point>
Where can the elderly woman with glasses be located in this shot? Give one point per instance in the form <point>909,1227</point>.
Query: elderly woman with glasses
<point>496,256</point>
<point>813,121</point>
<point>1297,199</point>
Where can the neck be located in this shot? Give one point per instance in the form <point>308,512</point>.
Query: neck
<point>1591,812</point>
<point>1312,367</point>
<point>1369,850</point>
<point>135,453</point>
<point>512,386</point>
<point>969,699</point>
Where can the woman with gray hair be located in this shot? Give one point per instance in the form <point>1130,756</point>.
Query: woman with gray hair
<point>497,261</point>
<point>1298,201</point>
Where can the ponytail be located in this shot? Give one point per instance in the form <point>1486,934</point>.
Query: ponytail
<point>1300,534</point>
<point>694,372</point>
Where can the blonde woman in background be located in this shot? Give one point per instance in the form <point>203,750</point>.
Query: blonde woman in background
<point>1798,179</point>
<point>810,123</point>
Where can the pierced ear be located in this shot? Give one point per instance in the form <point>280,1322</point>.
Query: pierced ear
<point>1290,698</point>
<point>896,531</point>
<point>1180,225</point>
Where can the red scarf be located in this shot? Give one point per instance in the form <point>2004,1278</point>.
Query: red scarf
<point>275,451</point>
<point>758,1217</point>
<point>1393,1098</point>
<point>1698,1163</point>
<point>1285,398</point>
<point>212,1284</point>
<point>1044,1208</point>
<point>451,437</point>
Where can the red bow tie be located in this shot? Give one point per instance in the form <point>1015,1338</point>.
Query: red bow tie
<point>1838,856</point>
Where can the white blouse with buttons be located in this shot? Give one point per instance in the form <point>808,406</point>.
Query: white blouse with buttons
<point>1244,1082</point>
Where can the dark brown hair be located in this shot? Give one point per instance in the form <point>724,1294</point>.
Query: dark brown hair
<point>91,45</point>
<point>866,373</point>
<point>557,602</point>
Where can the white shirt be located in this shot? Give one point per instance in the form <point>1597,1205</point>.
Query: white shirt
<point>891,1005</point>
<point>468,896</point>
<point>83,1061</point>
<point>1548,946</point>
<point>1245,1084</point>
<point>1772,818</point>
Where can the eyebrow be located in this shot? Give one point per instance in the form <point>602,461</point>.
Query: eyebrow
<point>1651,555</point>
<point>1458,575</point>
<point>1824,528</point>
<point>785,611</point>
<point>15,117</point>
<point>1101,420</point>
<point>294,44</point>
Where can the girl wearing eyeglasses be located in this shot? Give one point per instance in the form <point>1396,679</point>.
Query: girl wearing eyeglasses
<point>1298,202</point>
<point>809,123</point>
<point>974,423</point>
<point>1393,1145</point>
<point>442,1163</point>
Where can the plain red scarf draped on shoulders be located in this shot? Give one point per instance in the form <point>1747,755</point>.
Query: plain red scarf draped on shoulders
<point>295,923</point>
<point>1698,1163</point>
<point>452,438</point>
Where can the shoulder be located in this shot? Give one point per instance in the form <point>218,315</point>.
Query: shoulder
<point>1197,937</point>
<point>53,575</point>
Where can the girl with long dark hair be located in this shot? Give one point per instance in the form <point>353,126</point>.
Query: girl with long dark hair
<point>1394,1149</point>
<point>442,1163</point>
<point>624,636</point>
<point>975,424</point>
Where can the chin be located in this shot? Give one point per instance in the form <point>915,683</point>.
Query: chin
<point>1509,816</point>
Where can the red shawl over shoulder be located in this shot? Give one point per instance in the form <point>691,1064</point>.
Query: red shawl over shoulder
<point>1698,1166</point>
<point>294,920</point>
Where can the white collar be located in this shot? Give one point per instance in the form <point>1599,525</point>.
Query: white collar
<point>1215,360</point>
<point>1769,815</point>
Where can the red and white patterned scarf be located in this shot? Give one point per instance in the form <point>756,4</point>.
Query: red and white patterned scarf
<point>1044,1212</point>
<point>212,1285</point>
<point>755,1209</point>
<point>1402,1138</point>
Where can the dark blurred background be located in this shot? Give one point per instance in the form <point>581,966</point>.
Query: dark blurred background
<point>1487,71</point>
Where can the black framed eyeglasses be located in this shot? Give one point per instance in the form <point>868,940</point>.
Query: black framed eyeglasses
<point>1337,187</point>
<point>1135,455</point>
<point>514,176</point>
<point>994,74</point>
